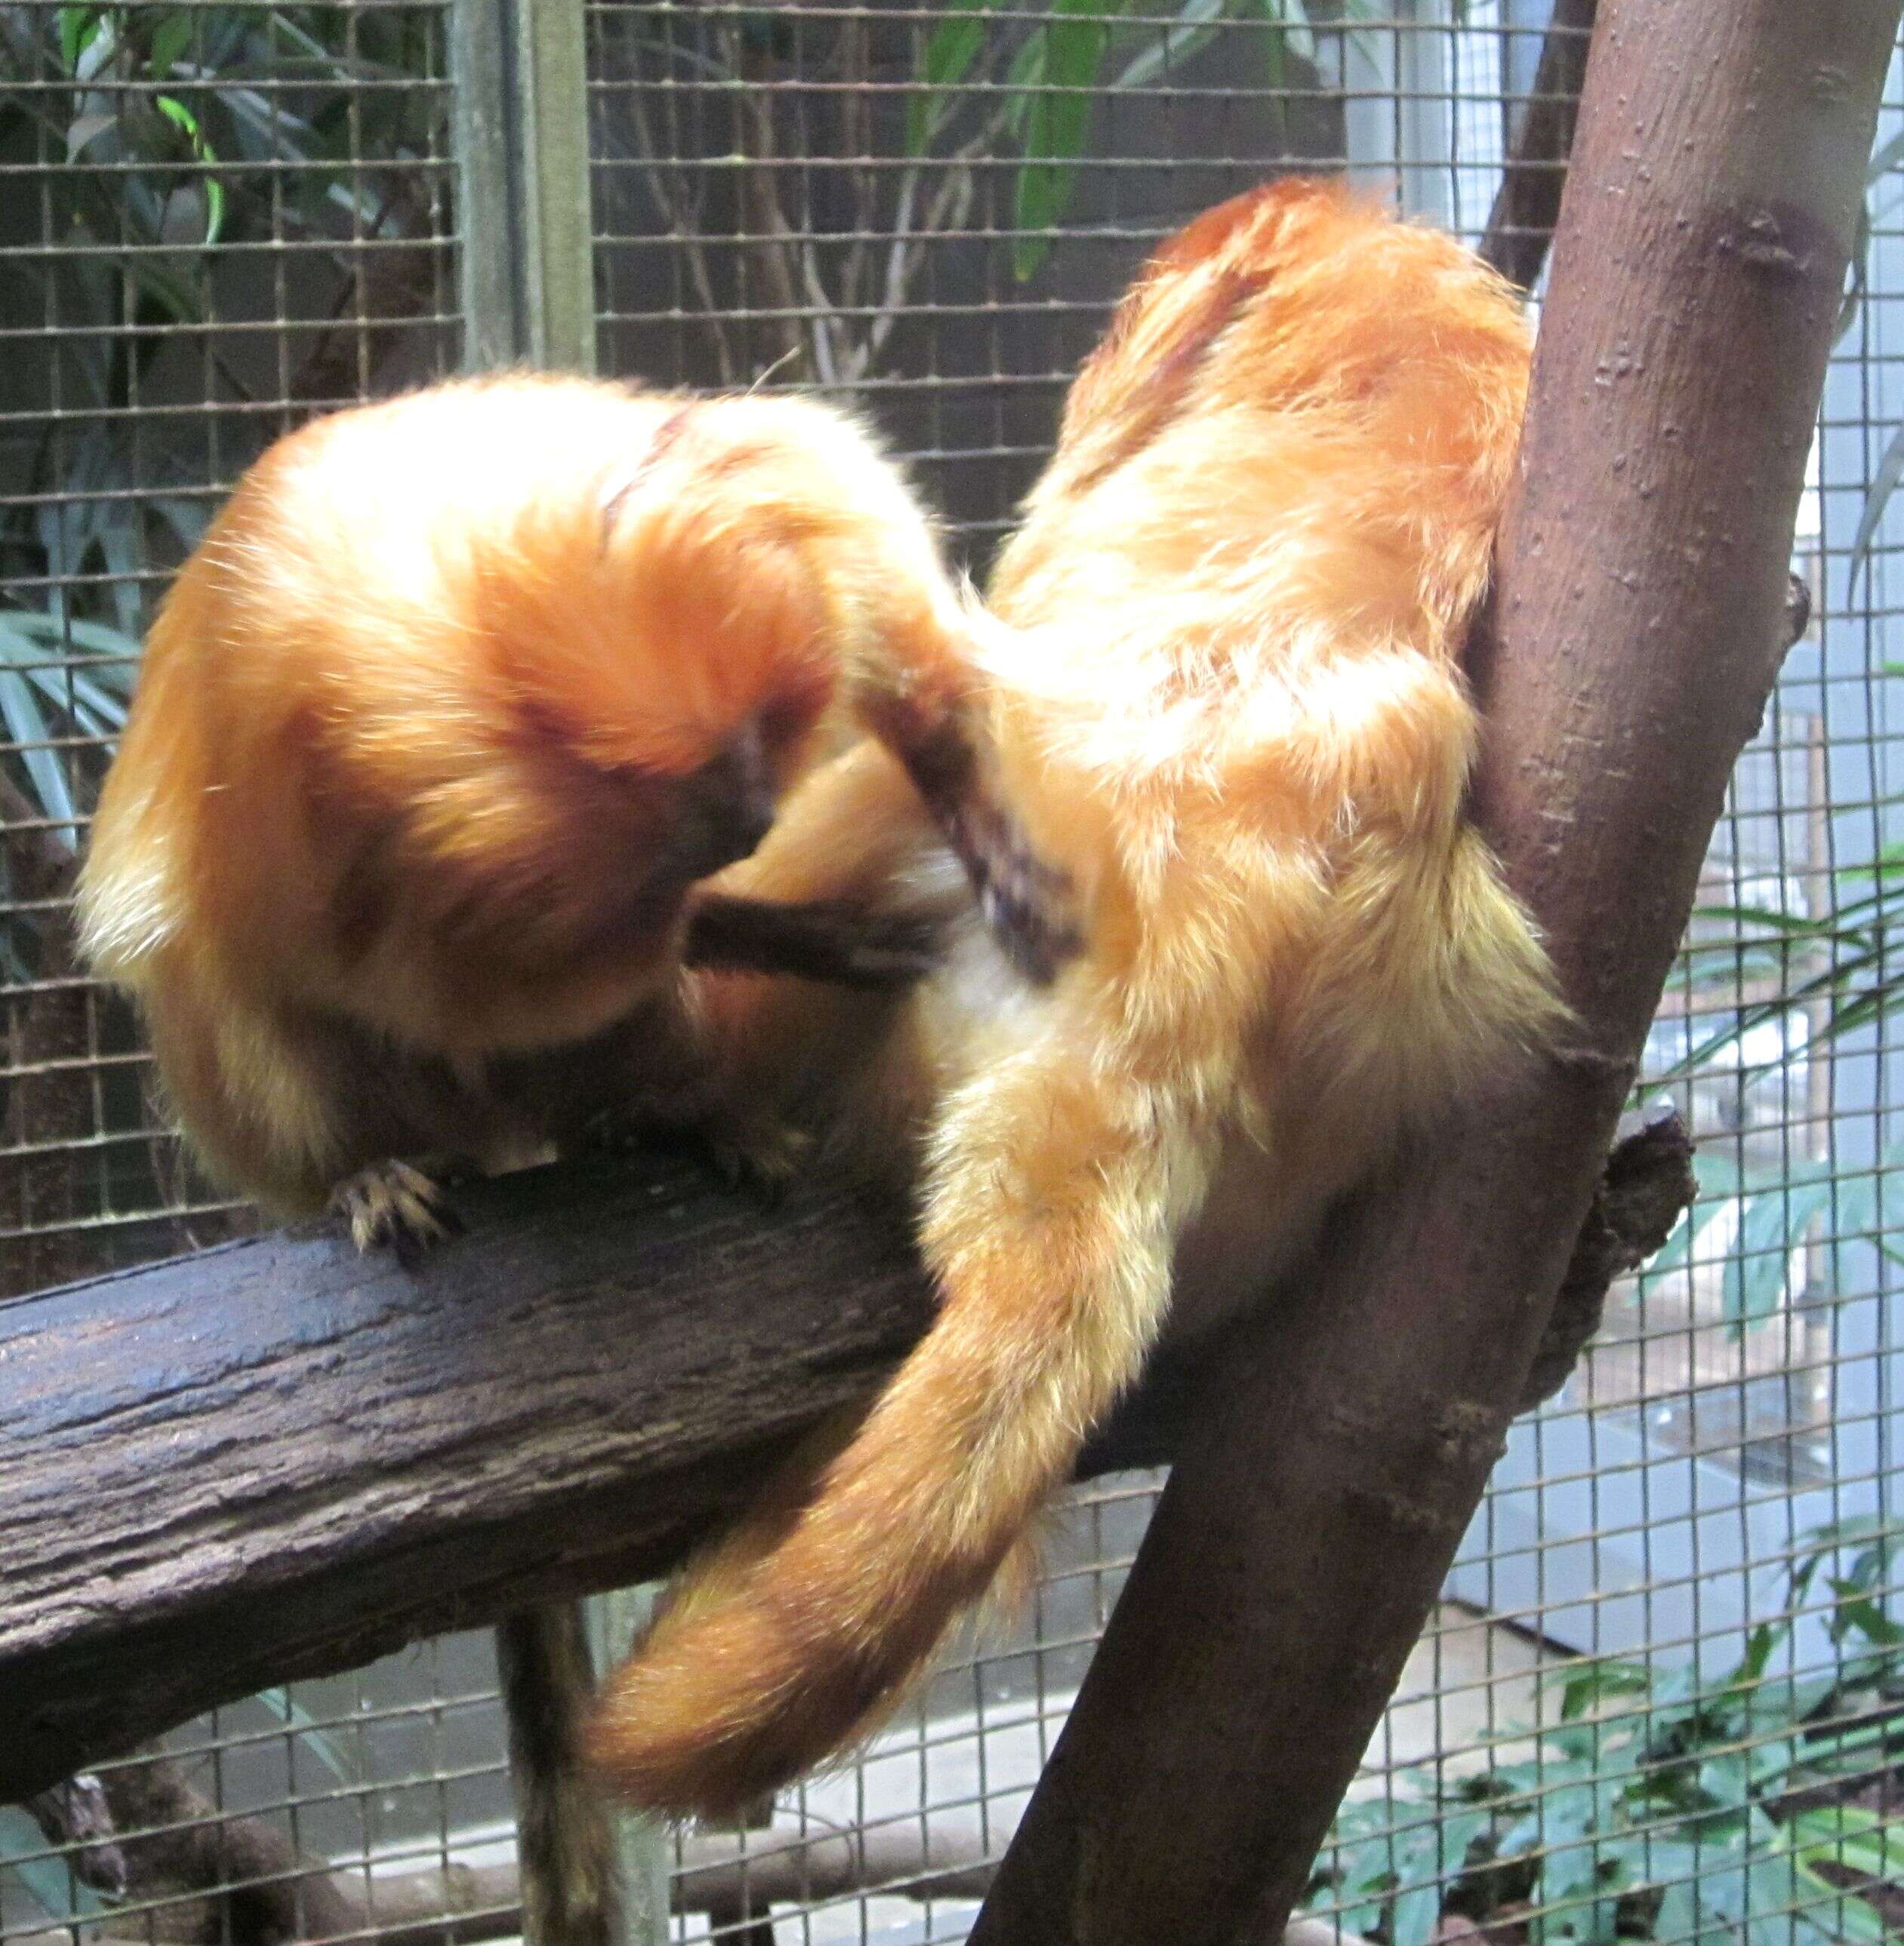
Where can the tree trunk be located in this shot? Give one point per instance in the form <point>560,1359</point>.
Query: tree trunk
<point>1340,1451</point>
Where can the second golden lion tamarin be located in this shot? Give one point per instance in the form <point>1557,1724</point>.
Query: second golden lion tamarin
<point>1252,944</point>
<point>435,736</point>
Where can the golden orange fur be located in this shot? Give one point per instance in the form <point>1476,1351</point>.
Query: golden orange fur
<point>461,696</point>
<point>1226,702</point>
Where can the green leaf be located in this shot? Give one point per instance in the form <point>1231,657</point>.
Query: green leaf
<point>1678,1922</point>
<point>170,40</point>
<point>1885,158</point>
<point>943,62</point>
<point>1416,1911</point>
<point>175,112</point>
<point>281,1704</point>
<point>1726,1782</point>
<point>26,725</point>
<point>1884,484</point>
<point>1858,282</point>
<point>1194,28</point>
<point>1056,124</point>
<point>77,25</point>
<point>1773,1226</point>
<point>1292,33</point>
<point>1582,1687</point>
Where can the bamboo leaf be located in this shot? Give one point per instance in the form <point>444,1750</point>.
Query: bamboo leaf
<point>1056,122</point>
<point>1884,484</point>
<point>170,40</point>
<point>27,727</point>
<point>944,61</point>
<point>181,118</point>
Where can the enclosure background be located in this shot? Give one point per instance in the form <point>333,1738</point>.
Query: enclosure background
<point>217,221</point>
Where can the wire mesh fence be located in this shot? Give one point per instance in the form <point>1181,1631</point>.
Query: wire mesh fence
<point>1659,1700</point>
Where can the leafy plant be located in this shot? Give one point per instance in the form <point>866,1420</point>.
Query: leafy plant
<point>992,82</point>
<point>1658,1807</point>
<point>150,123</point>
<point>1055,75</point>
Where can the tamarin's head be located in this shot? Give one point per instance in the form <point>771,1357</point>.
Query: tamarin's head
<point>686,611</point>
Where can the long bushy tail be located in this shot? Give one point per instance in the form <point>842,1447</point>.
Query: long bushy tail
<point>794,1637</point>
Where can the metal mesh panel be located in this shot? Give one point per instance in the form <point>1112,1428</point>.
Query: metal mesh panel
<point>931,210</point>
<point>214,222</point>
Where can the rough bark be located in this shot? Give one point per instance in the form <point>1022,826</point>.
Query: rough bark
<point>1338,1455</point>
<point>293,1460</point>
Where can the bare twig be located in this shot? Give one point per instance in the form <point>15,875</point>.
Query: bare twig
<point>1527,206</point>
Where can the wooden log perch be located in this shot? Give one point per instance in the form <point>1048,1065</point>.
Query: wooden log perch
<point>277,1459</point>
<point>1336,1457</point>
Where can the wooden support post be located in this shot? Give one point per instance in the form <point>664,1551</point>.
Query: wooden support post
<point>1339,1454</point>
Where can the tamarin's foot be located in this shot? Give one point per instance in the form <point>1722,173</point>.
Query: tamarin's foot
<point>392,1206</point>
<point>761,1163</point>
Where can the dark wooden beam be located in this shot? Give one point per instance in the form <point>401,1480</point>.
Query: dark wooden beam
<point>277,1459</point>
<point>1335,1460</point>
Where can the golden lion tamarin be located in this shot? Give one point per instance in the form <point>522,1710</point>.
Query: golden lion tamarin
<point>1226,707</point>
<point>433,739</point>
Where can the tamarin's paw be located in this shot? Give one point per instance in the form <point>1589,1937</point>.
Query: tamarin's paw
<point>392,1207</point>
<point>892,950</point>
<point>761,1162</point>
<point>835,940</point>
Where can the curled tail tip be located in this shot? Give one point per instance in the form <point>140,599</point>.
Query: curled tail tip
<point>673,1776</point>
<point>719,1709</point>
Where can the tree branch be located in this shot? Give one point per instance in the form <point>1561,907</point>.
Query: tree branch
<point>1527,206</point>
<point>1338,1455</point>
<point>466,1905</point>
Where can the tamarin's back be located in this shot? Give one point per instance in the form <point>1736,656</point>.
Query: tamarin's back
<point>1239,597</point>
<point>1227,716</point>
